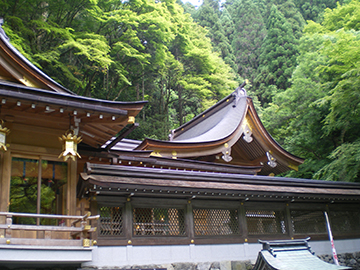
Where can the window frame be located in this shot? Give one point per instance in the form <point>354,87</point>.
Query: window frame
<point>40,158</point>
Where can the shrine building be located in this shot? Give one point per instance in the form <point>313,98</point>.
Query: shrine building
<point>76,192</point>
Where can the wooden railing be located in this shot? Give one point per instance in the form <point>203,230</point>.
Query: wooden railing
<point>76,229</point>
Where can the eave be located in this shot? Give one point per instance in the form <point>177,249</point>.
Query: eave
<point>142,159</point>
<point>229,132</point>
<point>97,120</point>
<point>118,180</point>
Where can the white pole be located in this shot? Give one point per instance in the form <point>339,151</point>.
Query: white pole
<point>331,239</point>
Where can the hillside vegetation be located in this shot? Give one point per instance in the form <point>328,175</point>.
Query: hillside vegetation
<point>302,60</point>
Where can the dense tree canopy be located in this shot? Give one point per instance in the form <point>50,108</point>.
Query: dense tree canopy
<point>249,33</point>
<point>123,50</point>
<point>319,114</point>
<point>277,59</point>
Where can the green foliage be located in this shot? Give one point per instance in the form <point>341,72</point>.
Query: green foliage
<point>342,80</point>
<point>277,59</point>
<point>248,36</point>
<point>124,50</point>
<point>344,165</point>
<point>19,43</point>
<point>346,17</point>
<point>227,53</point>
<point>319,114</point>
<point>208,16</point>
<point>305,84</point>
<point>313,10</point>
<point>293,16</point>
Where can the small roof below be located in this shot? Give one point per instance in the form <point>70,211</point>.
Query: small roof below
<point>123,145</point>
<point>290,254</point>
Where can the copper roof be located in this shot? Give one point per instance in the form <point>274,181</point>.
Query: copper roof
<point>231,132</point>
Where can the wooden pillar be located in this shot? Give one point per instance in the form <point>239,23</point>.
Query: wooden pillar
<point>128,221</point>
<point>5,176</point>
<point>71,188</point>
<point>289,222</point>
<point>94,223</point>
<point>242,221</point>
<point>189,221</point>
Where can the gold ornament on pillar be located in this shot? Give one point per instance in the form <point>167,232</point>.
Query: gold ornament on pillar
<point>70,142</point>
<point>4,131</point>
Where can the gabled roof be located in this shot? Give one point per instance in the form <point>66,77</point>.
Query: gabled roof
<point>29,97</point>
<point>229,132</point>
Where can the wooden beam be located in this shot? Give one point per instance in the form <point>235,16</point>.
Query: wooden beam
<point>40,242</point>
<point>126,131</point>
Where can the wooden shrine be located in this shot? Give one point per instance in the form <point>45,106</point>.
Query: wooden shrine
<point>212,183</point>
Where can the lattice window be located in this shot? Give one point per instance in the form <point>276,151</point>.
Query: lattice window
<point>158,221</point>
<point>215,222</point>
<point>306,222</point>
<point>111,221</point>
<point>345,221</point>
<point>265,222</point>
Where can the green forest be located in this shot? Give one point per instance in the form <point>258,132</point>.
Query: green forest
<point>302,60</point>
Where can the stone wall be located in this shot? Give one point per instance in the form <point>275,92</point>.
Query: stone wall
<point>226,265</point>
<point>346,259</point>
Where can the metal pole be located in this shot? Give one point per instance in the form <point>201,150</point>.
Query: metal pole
<point>331,239</point>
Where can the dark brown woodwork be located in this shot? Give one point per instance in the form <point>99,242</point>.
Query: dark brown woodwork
<point>190,238</point>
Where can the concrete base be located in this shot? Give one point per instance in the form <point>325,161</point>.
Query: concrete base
<point>46,256</point>
<point>120,256</point>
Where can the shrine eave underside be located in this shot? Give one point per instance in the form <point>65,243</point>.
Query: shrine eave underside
<point>98,120</point>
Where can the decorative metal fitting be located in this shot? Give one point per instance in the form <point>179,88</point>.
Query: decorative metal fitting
<point>247,134</point>
<point>70,142</point>
<point>227,153</point>
<point>4,131</point>
<point>271,160</point>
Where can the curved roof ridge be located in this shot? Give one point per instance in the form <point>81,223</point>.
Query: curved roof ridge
<point>209,115</point>
<point>218,125</point>
<point>57,87</point>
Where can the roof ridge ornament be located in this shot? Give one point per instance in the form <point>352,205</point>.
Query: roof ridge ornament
<point>240,92</point>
